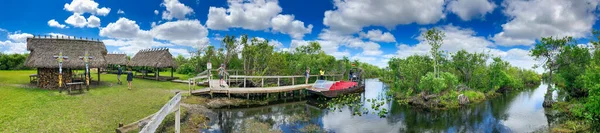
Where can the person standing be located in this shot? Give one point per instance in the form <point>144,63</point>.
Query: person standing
<point>322,74</point>
<point>222,73</point>
<point>307,74</point>
<point>119,72</point>
<point>129,78</point>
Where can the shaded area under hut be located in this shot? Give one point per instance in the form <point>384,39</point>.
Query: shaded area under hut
<point>151,61</point>
<point>112,60</point>
<point>43,52</point>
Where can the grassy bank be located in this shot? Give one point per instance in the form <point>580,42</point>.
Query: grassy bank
<point>29,109</point>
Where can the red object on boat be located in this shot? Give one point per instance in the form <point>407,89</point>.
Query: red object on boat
<point>340,85</point>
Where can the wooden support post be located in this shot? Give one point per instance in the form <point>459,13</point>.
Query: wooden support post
<point>244,82</point>
<point>248,96</point>
<point>278,82</point>
<point>262,82</point>
<point>293,82</point>
<point>98,77</point>
<point>177,119</point>
<point>172,72</point>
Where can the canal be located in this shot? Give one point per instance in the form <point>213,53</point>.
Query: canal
<point>513,112</point>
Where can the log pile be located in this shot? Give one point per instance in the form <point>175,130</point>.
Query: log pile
<point>48,77</point>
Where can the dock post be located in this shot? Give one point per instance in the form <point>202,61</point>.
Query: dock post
<point>247,96</point>
<point>278,82</point>
<point>244,82</point>
<point>262,82</point>
<point>293,83</point>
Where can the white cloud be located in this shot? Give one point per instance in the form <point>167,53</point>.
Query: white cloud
<point>76,20</point>
<point>183,32</point>
<point>256,15</point>
<point>86,6</point>
<point>350,16</point>
<point>175,9</point>
<point>129,38</point>
<point>533,19</point>
<point>155,12</point>
<point>377,35</point>
<point>16,44</point>
<point>276,44</point>
<point>120,11</point>
<point>93,21</point>
<point>183,52</point>
<point>287,25</point>
<point>122,29</point>
<point>54,23</point>
<point>369,48</point>
<point>467,9</point>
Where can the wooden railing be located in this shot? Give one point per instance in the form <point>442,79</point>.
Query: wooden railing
<point>173,104</point>
<point>292,77</point>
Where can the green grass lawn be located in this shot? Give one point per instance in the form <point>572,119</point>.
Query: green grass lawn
<point>30,109</point>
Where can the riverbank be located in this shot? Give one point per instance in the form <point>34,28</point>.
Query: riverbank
<point>569,117</point>
<point>462,96</point>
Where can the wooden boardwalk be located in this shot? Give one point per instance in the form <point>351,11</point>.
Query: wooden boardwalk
<point>214,85</point>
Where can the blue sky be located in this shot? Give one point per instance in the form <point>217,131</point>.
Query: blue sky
<point>371,31</point>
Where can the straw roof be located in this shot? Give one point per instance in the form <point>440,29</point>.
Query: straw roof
<point>116,59</point>
<point>44,49</point>
<point>157,58</point>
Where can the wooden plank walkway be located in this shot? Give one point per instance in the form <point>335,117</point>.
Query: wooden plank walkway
<point>215,88</point>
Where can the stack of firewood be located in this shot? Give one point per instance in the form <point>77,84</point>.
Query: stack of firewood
<point>48,77</point>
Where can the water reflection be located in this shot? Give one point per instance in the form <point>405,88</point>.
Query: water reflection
<point>517,112</point>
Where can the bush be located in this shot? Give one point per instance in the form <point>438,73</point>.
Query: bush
<point>430,83</point>
<point>186,69</point>
<point>474,96</point>
<point>591,81</point>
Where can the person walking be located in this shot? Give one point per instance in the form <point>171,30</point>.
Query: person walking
<point>307,74</point>
<point>222,73</point>
<point>322,74</point>
<point>129,78</point>
<point>119,72</point>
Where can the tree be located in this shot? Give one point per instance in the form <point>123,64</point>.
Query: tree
<point>465,63</point>
<point>231,47</point>
<point>547,51</point>
<point>435,38</point>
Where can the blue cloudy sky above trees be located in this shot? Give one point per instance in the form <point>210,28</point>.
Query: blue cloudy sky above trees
<point>371,31</point>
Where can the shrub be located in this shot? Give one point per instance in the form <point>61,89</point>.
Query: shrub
<point>430,83</point>
<point>474,96</point>
<point>186,69</point>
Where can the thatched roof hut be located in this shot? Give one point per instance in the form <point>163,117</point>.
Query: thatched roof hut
<point>116,59</point>
<point>43,50</point>
<point>156,58</point>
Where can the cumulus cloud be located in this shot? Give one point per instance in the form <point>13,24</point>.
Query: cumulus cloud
<point>155,12</point>
<point>16,43</point>
<point>175,9</point>
<point>120,11</point>
<point>467,9</point>
<point>350,16</point>
<point>377,35</point>
<point>183,32</point>
<point>127,35</point>
<point>121,29</point>
<point>287,25</point>
<point>76,20</point>
<point>93,21</point>
<point>256,15</point>
<point>86,6</point>
<point>532,19</point>
<point>54,23</point>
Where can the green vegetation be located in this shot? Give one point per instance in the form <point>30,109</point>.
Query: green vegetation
<point>444,76</point>
<point>260,58</point>
<point>26,108</point>
<point>13,61</point>
<point>574,70</point>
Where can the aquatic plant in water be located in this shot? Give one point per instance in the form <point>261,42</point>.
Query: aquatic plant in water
<point>355,103</point>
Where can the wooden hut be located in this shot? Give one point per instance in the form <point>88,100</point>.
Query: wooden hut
<point>155,59</point>
<point>43,52</point>
<point>112,60</point>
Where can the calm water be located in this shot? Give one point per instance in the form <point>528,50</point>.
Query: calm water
<point>516,112</point>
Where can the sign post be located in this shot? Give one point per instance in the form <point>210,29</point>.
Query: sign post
<point>86,59</point>
<point>60,58</point>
